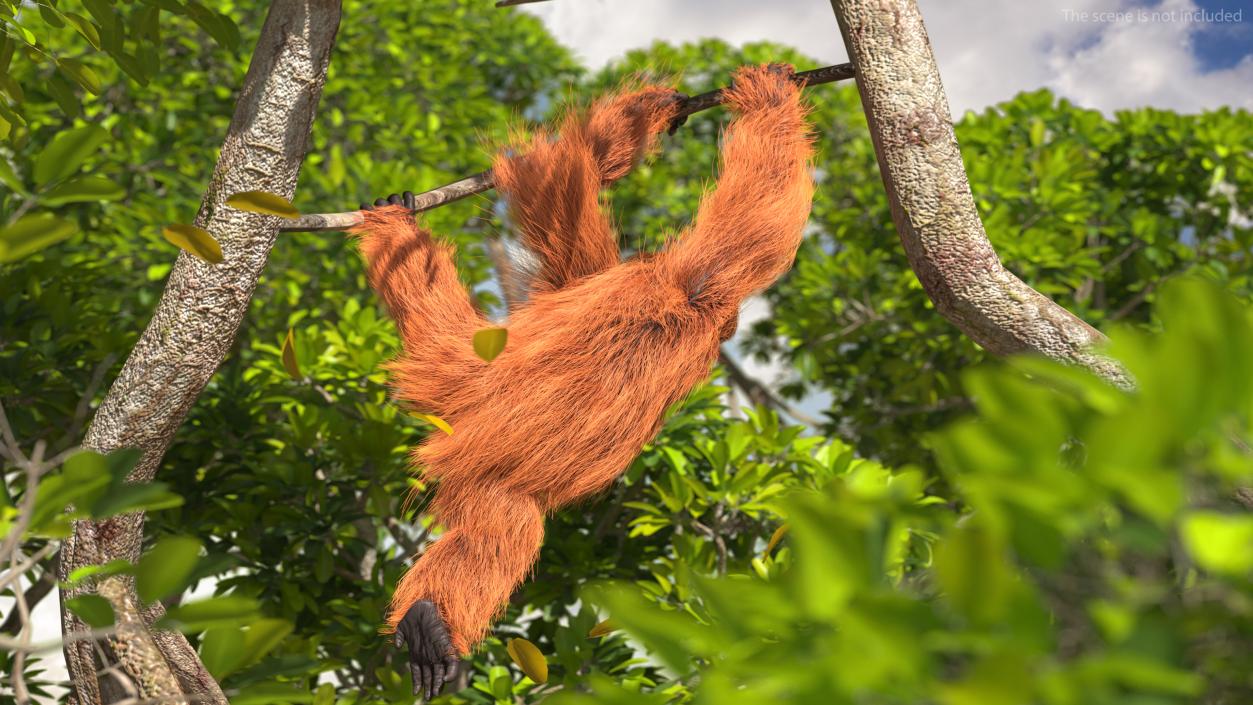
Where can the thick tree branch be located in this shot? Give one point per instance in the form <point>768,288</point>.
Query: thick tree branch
<point>930,197</point>
<point>484,181</point>
<point>192,331</point>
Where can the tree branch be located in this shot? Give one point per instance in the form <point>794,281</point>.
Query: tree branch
<point>484,180</point>
<point>930,197</point>
<point>194,325</point>
<point>758,393</point>
<point>35,594</point>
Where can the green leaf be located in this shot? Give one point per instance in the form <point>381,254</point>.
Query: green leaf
<point>209,613</point>
<point>221,650</point>
<point>219,26</point>
<point>262,637</point>
<point>971,567</point>
<point>500,684</point>
<point>1221,543</point>
<point>12,88</point>
<point>263,202</point>
<point>270,694</point>
<point>32,233</point>
<point>80,73</point>
<point>9,178</point>
<point>67,152</point>
<point>82,474</point>
<point>51,16</point>
<point>117,566</point>
<point>194,240</point>
<point>489,342</point>
<point>133,67</point>
<point>324,695</point>
<point>166,569</point>
<point>86,28</point>
<point>62,91</point>
<point>85,188</point>
<point>149,497</point>
<point>93,609</point>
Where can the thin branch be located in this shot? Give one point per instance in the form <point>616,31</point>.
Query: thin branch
<point>758,393</point>
<point>484,180</point>
<point>20,694</point>
<point>35,594</point>
<point>1132,303</point>
<point>720,544</point>
<point>84,403</point>
<point>34,469</point>
<point>25,565</point>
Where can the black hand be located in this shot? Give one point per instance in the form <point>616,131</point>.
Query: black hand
<point>679,120</point>
<point>784,71</point>
<point>407,199</point>
<point>431,658</point>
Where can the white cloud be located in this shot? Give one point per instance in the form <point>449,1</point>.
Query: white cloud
<point>987,50</point>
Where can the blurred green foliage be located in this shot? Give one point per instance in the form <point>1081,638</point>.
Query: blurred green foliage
<point>1065,542</point>
<point>1099,556</point>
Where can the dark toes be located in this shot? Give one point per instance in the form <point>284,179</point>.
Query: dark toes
<point>416,672</point>
<point>410,201</point>
<point>380,201</point>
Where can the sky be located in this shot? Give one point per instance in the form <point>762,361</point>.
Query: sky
<point>1104,54</point>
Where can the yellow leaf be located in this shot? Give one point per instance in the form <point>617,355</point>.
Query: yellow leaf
<point>436,421</point>
<point>194,240</point>
<point>775,538</point>
<point>263,202</point>
<point>289,357</point>
<point>489,342</point>
<point>603,629</point>
<point>529,659</point>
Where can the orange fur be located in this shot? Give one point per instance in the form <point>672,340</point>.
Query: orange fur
<point>599,351</point>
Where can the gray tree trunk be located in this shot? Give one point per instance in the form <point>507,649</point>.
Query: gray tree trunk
<point>930,197</point>
<point>189,335</point>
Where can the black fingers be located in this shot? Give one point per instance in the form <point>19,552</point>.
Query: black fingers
<point>679,120</point>
<point>431,657</point>
<point>416,671</point>
<point>407,199</point>
<point>784,71</point>
<point>437,680</point>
